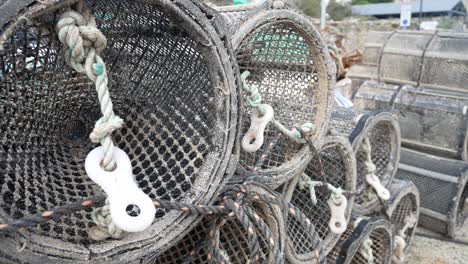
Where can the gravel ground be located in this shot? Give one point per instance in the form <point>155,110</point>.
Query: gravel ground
<point>432,251</point>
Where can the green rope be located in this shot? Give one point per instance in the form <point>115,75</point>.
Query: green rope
<point>254,100</point>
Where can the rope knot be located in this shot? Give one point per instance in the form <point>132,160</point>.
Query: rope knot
<point>82,39</point>
<point>103,129</point>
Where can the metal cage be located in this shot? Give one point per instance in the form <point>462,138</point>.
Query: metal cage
<point>173,83</point>
<point>383,132</point>
<point>442,184</point>
<point>352,249</point>
<point>428,59</point>
<point>289,63</point>
<point>424,115</point>
<point>402,210</point>
<point>334,163</point>
<point>233,240</point>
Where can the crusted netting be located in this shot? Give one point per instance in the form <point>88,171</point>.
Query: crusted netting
<point>334,163</point>
<point>349,250</point>
<point>383,133</point>
<point>233,241</point>
<point>288,62</point>
<point>170,82</point>
<point>442,187</point>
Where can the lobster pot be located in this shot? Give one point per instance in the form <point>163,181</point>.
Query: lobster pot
<point>402,57</point>
<point>172,82</point>
<point>233,240</point>
<point>403,212</point>
<point>372,95</point>
<point>334,163</point>
<point>429,59</point>
<point>425,114</point>
<point>446,62</point>
<point>443,190</point>
<point>364,237</point>
<point>383,133</point>
<point>290,65</point>
<point>374,44</point>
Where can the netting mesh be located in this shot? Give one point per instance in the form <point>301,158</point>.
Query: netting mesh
<point>446,61</point>
<point>332,164</point>
<point>162,82</point>
<point>279,58</point>
<point>441,183</point>
<point>374,43</point>
<point>402,57</point>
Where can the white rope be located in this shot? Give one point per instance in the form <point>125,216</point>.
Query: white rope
<point>83,43</point>
<point>366,250</point>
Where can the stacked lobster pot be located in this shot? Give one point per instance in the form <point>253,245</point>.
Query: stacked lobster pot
<point>322,192</point>
<point>402,210</point>
<point>427,90</point>
<point>214,134</point>
<point>165,68</point>
<point>375,137</point>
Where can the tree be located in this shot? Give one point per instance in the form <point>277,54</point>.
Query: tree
<point>338,11</point>
<point>365,2</point>
<point>310,7</point>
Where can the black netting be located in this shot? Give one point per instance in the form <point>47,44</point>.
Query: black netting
<point>333,164</point>
<point>162,81</point>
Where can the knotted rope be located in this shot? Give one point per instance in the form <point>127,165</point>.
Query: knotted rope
<point>84,42</point>
<point>366,250</point>
<point>254,100</point>
<point>368,163</point>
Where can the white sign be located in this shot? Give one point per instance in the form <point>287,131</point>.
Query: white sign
<point>405,16</point>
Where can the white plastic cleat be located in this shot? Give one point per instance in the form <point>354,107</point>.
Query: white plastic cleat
<point>253,139</point>
<point>338,222</point>
<point>122,190</point>
<point>374,181</point>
